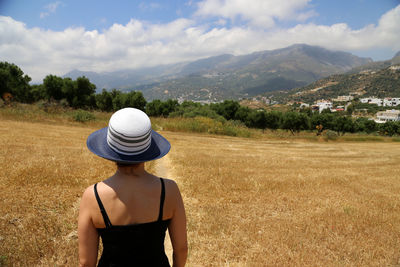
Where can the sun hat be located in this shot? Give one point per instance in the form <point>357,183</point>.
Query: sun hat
<point>128,138</point>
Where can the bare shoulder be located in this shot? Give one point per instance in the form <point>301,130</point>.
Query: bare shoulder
<point>88,197</point>
<point>171,186</point>
<point>89,192</point>
<point>172,192</point>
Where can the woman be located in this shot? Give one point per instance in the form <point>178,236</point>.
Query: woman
<point>132,209</point>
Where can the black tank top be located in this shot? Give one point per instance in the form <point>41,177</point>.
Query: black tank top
<point>133,244</point>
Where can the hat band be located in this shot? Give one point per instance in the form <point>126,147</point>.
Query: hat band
<point>128,139</point>
<point>128,145</point>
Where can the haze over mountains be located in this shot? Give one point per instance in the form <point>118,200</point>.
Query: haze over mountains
<point>228,76</point>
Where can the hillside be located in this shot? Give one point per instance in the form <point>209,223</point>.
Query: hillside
<point>229,76</point>
<point>381,83</point>
<point>378,65</point>
<point>125,79</point>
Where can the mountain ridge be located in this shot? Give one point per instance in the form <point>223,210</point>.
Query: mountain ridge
<point>229,76</point>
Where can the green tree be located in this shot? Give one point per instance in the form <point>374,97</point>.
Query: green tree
<point>365,125</point>
<point>389,128</point>
<point>169,106</point>
<point>13,81</point>
<point>242,114</point>
<point>68,90</point>
<point>343,124</point>
<point>295,122</point>
<point>84,96</point>
<point>307,111</point>
<point>135,99</point>
<point>118,100</point>
<point>227,109</point>
<point>53,87</point>
<point>273,119</point>
<point>324,119</point>
<point>370,126</point>
<point>257,119</point>
<point>104,101</point>
<point>38,92</point>
<point>153,108</point>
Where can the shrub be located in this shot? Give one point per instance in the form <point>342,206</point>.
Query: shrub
<point>83,116</point>
<point>331,135</point>
<point>64,103</point>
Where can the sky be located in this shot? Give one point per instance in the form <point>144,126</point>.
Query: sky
<point>54,37</point>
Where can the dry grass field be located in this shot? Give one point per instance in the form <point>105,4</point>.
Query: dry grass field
<point>249,202</point>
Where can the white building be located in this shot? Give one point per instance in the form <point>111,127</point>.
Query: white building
<point>344,98</point>
<point>304,105</point>
<point>323,104</point>
<point>388,115</point>
<point>391,101</point>
<point>372,100</point>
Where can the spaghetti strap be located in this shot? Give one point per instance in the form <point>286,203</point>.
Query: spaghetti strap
<point>162,198</point>
<point>102,210</point>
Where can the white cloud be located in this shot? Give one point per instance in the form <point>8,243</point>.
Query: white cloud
<point>146,5</point>
<point>261,13</point>
<point>50,9</point>
<point>44,14</point>
<point>40,52</point>
<point>342,37</point>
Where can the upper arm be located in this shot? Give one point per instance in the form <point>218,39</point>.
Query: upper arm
<point>177,225</point>
<point>87,234</point>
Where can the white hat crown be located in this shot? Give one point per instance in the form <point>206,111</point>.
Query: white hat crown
<point>129,132</point>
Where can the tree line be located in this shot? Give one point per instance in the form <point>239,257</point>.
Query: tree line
<point>293,121</point>
<point>81,93</point>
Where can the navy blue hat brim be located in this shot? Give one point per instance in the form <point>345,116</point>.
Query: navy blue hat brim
<point>97,143</point>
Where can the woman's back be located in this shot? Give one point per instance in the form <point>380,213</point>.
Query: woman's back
<point>137,243</point>
<point>133,200</point>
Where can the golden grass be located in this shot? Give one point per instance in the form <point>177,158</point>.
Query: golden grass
<point>257,203</point>
<point>249,202</point>
<point>53,115</point>
<point>44,170</point>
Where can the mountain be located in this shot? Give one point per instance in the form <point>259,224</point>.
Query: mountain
<point>229,76</point>
<point>382,83</point>
<point>396,58</point>
<point>127,79</point>
<point>378,65</point>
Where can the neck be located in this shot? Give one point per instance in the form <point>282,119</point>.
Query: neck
<point>134,170</point>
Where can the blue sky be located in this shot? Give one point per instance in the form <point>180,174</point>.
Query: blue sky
<point>95,14</point>
<point>55,37</point>
<point>92,14</point>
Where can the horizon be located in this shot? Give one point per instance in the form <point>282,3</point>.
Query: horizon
<point>182,62</point>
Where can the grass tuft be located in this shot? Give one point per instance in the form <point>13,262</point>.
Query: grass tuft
<point>83,116</point>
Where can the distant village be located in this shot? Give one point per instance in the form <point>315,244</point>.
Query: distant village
<point>321,105</point>
<point>339,104</point>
